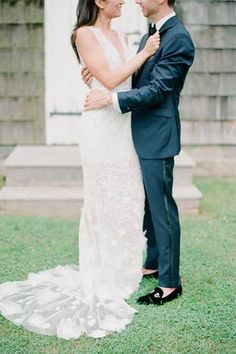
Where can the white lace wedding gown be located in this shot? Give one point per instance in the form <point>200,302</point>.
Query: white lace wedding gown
<point>69,301</point>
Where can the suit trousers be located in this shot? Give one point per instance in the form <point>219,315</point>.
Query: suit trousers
<point>161,220</point>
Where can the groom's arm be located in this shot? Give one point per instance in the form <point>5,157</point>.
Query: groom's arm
<point>177,57</point>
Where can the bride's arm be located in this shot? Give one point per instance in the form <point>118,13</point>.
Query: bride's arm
<point>96,62</point>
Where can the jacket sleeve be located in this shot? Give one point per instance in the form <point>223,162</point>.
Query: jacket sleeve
<point>176,59</point>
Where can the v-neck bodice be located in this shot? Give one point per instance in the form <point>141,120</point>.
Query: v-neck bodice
<point>114,57</point>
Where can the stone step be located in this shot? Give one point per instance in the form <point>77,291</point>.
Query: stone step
<point>183,171</point>
<point>44,166</point>
<point>61,166</point>
<point>188,199</point>
<point>67,202</point>
<point>41,201</point>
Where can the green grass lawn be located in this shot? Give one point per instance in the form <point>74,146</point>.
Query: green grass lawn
<point>201,321</point>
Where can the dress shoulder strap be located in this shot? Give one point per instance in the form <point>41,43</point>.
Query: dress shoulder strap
<point>98,34</point>
<point>122,37</point>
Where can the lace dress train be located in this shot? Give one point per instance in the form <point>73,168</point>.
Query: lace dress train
<point>69,301</point>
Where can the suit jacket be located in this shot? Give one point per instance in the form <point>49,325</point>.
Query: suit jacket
<point>154,98</point>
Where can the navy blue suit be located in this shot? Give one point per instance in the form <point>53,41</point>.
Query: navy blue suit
<point>154,102</point>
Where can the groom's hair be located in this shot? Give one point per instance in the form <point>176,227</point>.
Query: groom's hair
<point>171,3</point>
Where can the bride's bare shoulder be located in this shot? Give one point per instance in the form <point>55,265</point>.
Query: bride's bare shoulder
<point>84,31</point>
<point>85,37</point>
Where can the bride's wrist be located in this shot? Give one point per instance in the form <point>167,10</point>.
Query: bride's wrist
<point>140,58</point>
<point>109,100</point>
<point>144,54</point>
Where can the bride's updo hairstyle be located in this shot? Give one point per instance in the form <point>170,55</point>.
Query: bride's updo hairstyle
<point>87,13</point>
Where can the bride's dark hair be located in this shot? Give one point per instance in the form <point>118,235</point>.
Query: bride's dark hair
<point>87,13</point>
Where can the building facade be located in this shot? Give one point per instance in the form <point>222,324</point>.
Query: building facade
<point>41,92</point>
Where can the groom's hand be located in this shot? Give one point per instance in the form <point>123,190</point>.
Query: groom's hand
<point>97,99</point>
<point>87,77</point>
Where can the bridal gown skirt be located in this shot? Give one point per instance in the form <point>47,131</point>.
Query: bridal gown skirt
<point>69,301</point>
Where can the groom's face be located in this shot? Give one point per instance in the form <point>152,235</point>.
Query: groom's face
<point>149,7</point>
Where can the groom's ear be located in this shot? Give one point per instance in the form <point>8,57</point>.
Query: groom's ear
<point>100,4</point>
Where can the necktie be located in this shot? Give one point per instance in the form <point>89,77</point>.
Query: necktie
<point>152,29</point>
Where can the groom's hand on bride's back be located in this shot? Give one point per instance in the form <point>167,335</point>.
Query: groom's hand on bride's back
<point>87,77</point>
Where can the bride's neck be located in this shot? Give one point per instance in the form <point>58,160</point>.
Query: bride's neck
<point>103,23</point>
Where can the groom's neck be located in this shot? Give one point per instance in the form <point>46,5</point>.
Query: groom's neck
<point>161,13</point>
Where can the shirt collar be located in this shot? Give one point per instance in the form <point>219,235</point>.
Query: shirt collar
<point>163,20</point>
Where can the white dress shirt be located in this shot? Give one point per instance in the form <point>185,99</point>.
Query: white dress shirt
<point>159,24</point>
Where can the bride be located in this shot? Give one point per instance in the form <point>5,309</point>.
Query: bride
<point>69,301</point>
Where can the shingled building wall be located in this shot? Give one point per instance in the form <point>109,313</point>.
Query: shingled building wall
<point>208,104</point>
<point>22,117</point>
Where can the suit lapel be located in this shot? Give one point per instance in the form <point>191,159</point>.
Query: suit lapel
<point>168,24</point>
<point>141,46</point>
<point>143,42</point>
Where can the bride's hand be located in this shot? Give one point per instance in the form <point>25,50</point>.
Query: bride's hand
<point>87,77</point>
<point>97,99</point>
<point>152,44</point>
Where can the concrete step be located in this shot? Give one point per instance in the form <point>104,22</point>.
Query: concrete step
<point>48,181</point>
<point>183,171</point>
<point>188,199</point>
<point>63,202</point>
<point>61,166</point>
<point>44,166</point>
<point>66,202</point>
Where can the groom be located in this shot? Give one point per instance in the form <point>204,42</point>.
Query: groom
<point>154,102</point>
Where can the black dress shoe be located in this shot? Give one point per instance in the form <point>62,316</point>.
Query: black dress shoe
<point>152,275</point>
<point>156,297</point>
